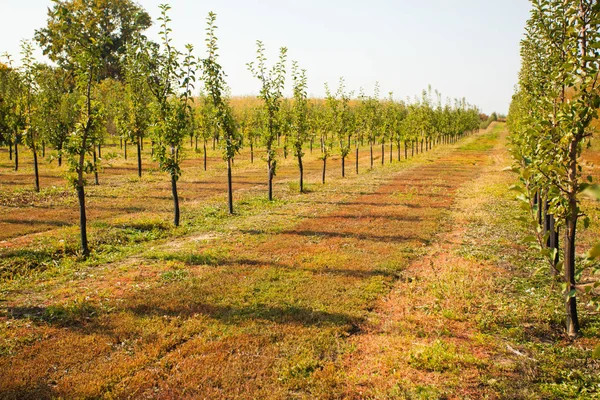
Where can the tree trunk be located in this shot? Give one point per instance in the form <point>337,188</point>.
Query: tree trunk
<point>405,150</point>
<point>16,156</point>
<point>371,146</point>
<point>572,321</point>
<point>357,161</point>
<point>10,151</point>
<point>382,153</point>
<point>269,164</point>
<point>139,156</point>
<point>205,154</point>
<point>229,187</point>
<point>553,243</point>
<point>343,166</point>
<point>412,145</point>
<point>43,148</point>
<point>95,168</point>
<point>82,221</point>
<point>539,209</point>
<point>99,150</point>
<point>252,151</point>
<point>398,149</point>
<point>175,200</point>
<point>301,168</point>
<point>391,151</point>
<point>324,168</point>
<point>196,143</point>
<point>125,148</point>
<point>35,169</point>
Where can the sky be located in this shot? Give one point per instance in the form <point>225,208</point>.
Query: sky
<point>462,48</point>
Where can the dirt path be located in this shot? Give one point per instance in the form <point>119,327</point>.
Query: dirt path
<point>421,342</point>
<point>270,309</point>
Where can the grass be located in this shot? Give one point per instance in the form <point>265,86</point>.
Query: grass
<point>405,282</point>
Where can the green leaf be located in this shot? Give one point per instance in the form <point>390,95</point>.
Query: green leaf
<point>529,239</point>
<point>594,252</point>
<point>596,353</point>
<point>592,191</point>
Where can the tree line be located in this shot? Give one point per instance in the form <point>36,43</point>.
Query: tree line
<point>551,124</point>
<point>108,80</point>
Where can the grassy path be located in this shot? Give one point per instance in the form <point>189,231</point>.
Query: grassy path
<point>361,289</point>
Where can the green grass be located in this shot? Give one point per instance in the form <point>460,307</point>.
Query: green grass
<point>303,297</point>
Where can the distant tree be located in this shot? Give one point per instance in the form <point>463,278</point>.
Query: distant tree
<point>13,108</point>
<point>216,88</point>
<point>57,107</point>
<point>29,93</point>
<point>271,92</point>
<point>300,117</point>
<point>135,114</point>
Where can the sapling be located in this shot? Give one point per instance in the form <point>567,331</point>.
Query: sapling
<point>271,93</point>
<point>216,91</point>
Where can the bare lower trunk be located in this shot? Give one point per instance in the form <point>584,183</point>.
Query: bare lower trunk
<point>343,166</point>
<point>82,220</point>
<point>270,165</point>
<point>301,168</point>
<point>251,152</point>
<point>324,168</point>
<point>357,160</point>
<point>175,200</point>
<point>371,155</point>
<point>139,156</point>
<point>229,187</point>
<point>96,181</point>
<point>572,321</point>
<point>16,156</point>
<point>382,153</point>
<point>36,170</point>
<point>204,154</point>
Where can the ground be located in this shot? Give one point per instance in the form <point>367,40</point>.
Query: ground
<point>410,280</point>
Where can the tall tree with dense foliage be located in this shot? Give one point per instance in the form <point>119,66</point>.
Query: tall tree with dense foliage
<point>116,20</point>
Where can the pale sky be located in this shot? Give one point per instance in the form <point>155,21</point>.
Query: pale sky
<point>462,48</point>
